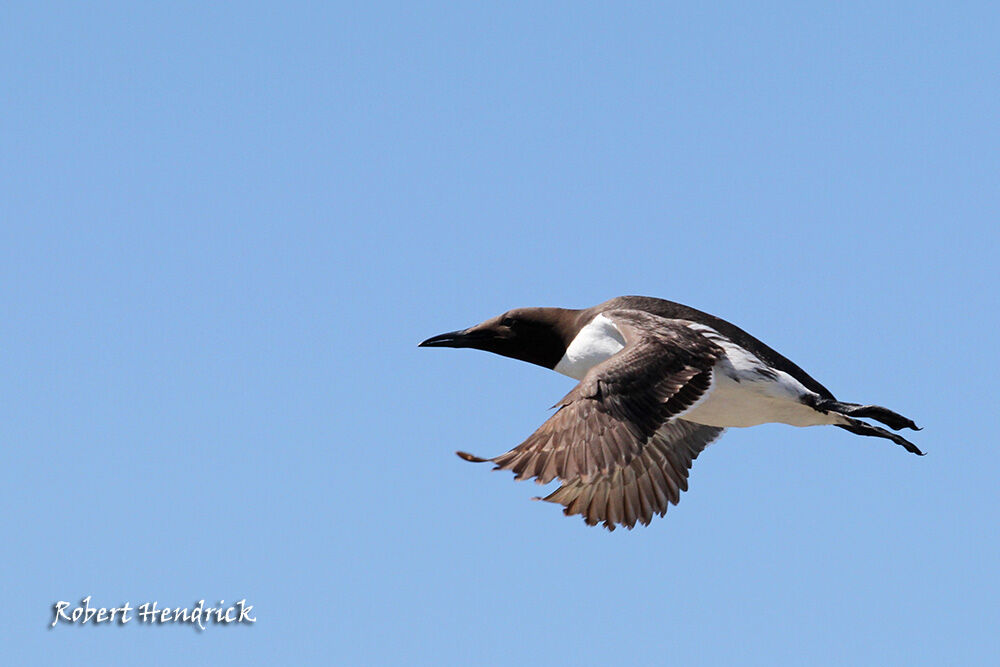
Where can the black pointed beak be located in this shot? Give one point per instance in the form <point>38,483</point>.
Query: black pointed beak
<point>461,338</point>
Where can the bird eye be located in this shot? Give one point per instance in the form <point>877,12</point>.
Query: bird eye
<point>507,322</point>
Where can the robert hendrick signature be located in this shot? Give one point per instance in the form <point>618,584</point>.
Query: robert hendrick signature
<point>151,613</point>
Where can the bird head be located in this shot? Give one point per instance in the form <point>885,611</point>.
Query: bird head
<point>536,335</point>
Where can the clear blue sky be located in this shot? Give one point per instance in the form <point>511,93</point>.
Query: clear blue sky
<point>226,226</point>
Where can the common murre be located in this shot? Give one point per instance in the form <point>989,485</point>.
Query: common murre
<point>659,381</point>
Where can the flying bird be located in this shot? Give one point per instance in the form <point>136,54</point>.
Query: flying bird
<point>658,382</point>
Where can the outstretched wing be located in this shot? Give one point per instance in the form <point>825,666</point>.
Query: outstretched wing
<point>635,492</point>
<point>608,442</point>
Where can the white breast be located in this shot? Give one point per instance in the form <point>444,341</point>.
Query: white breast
<point>597,341</point>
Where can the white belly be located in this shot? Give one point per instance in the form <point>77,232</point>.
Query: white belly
<point>746,403</point>
<point>746,392</point>
<point>741,393</point>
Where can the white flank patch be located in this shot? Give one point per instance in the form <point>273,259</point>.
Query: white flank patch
<point>597,341</point>
<point>741,396</point>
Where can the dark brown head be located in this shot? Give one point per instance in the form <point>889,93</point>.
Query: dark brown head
<point>536,335</point>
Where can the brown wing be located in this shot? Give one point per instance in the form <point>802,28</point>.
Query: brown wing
<point>609,420</point>
<point>635,492</point>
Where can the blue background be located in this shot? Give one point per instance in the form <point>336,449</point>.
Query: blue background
<point>226,226</point>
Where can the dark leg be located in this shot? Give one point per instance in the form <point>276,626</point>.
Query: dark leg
<point>862,428</point>
<point>893,420</point>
